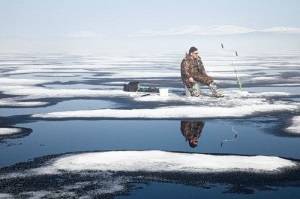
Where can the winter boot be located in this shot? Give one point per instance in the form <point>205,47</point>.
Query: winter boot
<point>194,92</point>
<point>215,92</point>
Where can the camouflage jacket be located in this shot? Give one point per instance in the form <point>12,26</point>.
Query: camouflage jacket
<point>194,68</point>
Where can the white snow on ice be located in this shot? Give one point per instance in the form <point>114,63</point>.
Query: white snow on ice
<point>47,70</point>
<point>263,78</point>
<point>172,112</point>
<point>156,161</point>
<point>32,92</point>
<point>17,81</point>
<point>147,66</point>
<point>161,161</point>
<point>46,194</point>
<point>165,73</point>
<point>295,126</point>
<point>234,104</point>
<point>232,97</point>
<point>9,131</point>
<point>15,103</point>
<point>6,196</point>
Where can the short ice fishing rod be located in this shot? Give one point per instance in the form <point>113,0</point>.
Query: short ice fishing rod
<point>234,67</point>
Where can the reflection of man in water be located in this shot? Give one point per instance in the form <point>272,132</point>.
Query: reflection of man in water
<point>191,130</point>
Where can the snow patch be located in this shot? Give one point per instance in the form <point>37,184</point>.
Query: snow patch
<point>161,161</point>
<point>47,70</point>
<point>9,131</point>
<point>226,75</point>
<point>233,97</point>
<point>115,82</point>
<point>14,81</point>
<point>166,73</point>
<point>154,161</point>
<point>264,78</point>
<point>261,94</point>
<point>142,74</point>
<point>295,126</point>
<point>32,92</point>
<point>172,112</point>
<point>6,196</point>
<point>46,194</point>
<point>13,102</point>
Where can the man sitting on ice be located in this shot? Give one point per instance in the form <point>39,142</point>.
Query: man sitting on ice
<point>193,73</point>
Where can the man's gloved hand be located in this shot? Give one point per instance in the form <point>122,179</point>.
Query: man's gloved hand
<point>210,80</point>
<point>191,80</point>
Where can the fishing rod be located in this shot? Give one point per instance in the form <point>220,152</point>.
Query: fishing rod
<point>234,68</point>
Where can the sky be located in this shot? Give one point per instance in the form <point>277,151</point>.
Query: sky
<point>135,25</point>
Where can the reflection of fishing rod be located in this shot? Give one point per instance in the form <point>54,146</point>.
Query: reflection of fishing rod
<point>235,70</point>
<point>233,139</point>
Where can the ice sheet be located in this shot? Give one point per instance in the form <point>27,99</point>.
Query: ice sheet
<point>295,125</point>
<point>15,103</point>
<point>171,112</point>
<point>9,131</point>
<point>162,161</point>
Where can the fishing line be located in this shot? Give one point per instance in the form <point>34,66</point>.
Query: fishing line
<point>235,53</point>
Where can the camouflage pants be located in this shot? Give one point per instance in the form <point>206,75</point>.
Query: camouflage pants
<point>203,79</point>
<point>196,89</point>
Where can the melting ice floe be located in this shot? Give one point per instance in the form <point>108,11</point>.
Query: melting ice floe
<point>110,172</point>
<point>158,161</point>
<point>5,196</point>
<point>31,92</point>
<point>295,126</point>
<point>172,112</point>
<point>15,103</point>
<point>46,70</point>
<point>13,132</point>
<point>15,81</point>
<point>234,104</point>
<point>166,73</point>
<point>235,96</point>
<point>9,131</point>
<point>263,78</point>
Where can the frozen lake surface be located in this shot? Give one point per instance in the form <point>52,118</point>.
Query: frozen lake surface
<point>68,130</point>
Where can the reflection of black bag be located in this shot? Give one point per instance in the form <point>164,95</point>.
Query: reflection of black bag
<point>131,87</point>
<point>149,89</point>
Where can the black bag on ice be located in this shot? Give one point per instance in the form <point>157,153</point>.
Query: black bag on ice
<point>131,87</point>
